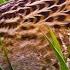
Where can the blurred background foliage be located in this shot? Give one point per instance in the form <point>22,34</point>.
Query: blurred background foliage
<point>3,1</point>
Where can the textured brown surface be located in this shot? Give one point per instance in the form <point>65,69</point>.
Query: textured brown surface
<point>21,22</point>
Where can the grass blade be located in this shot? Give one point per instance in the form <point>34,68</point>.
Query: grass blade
<point>56,47</point>
<point>5,54</point>
<point>57,50</point>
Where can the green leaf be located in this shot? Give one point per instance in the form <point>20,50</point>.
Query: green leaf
<point>54,44</point>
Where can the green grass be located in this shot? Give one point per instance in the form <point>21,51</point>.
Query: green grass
<point>3,1</point>
<point>54,44</point>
